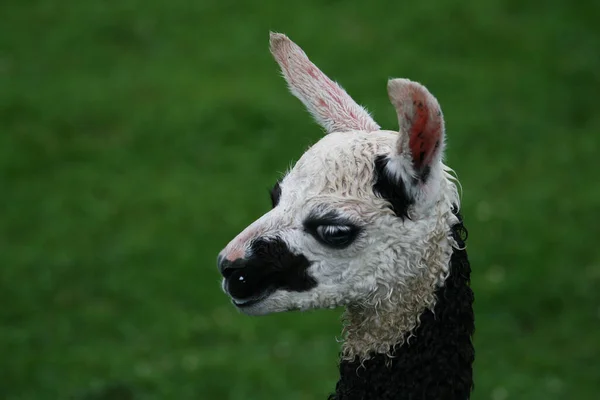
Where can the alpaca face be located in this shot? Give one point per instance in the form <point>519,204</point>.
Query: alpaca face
<point>350,219</point>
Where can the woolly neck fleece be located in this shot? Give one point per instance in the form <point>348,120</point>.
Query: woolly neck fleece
<point>436,363</point>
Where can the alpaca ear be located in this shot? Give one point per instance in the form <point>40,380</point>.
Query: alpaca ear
<point>421,140</point>
<point>328,103</point>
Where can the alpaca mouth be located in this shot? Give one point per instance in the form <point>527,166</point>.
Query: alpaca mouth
<point>247,303</point>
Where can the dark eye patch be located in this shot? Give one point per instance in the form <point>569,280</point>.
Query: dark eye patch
<point>275,194</point>
<point>331,229</point>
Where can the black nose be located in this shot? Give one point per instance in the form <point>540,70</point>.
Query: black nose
<point>227,267</point>
<point>244,278</point>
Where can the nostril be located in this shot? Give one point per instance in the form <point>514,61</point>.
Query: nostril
<point>228,267</point>
<point>227,271</point>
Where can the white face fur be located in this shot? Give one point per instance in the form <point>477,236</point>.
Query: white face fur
<point>336,221</point>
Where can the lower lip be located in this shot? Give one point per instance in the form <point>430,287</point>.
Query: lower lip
<point>247,303</point>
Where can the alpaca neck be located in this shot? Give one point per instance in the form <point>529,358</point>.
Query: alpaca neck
<point>432,361</point>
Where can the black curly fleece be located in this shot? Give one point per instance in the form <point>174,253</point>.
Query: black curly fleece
<point>437,363</point>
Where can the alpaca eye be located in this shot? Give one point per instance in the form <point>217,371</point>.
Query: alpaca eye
<point>338,236</point>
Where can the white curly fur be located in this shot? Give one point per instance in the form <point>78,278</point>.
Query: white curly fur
<point>388,276</point>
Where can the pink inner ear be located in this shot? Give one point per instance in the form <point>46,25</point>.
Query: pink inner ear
<point>333,108</point>
<point>426,129</point>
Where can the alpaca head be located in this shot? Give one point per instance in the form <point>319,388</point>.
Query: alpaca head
<point>363,215</point>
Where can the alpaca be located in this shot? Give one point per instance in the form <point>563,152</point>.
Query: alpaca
<point>367,219</point>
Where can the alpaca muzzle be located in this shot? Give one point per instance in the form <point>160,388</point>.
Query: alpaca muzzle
<point>269,266</point>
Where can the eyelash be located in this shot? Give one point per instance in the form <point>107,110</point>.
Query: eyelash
<point>335,235</point>
<point>325,230</point>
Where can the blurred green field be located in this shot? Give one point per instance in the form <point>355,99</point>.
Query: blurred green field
<point>138,137</point>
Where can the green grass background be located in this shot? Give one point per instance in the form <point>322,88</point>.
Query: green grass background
<point>138,137</point>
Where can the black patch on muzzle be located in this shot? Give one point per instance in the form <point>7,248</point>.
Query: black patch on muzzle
<point>270,266</point>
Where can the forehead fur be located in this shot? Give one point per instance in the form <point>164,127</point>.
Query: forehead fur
<point>340,164</point>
